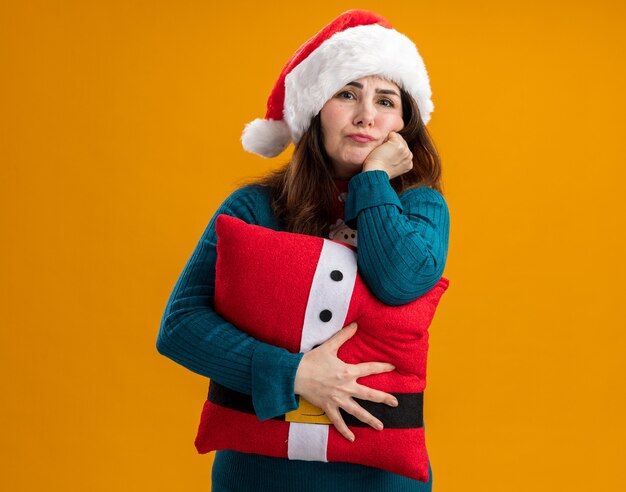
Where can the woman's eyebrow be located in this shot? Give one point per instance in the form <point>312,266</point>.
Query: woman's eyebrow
<point>378,91</point>
<point>387,91</point>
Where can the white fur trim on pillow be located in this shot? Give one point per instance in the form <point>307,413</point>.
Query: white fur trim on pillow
<point>267,138</point>
<point>349,55</point>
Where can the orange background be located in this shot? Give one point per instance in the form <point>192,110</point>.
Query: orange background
<point>120,137</point>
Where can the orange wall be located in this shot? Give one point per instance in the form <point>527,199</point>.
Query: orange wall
<point>120,136</point>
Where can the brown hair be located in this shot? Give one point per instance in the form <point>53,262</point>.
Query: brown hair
<point>302,190</point>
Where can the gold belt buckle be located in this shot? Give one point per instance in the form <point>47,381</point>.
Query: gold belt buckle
<point>307,413</point>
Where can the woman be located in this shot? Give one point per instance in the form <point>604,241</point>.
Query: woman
<point>354,99</point>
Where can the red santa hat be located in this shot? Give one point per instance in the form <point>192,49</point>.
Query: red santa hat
<point>356,44</point>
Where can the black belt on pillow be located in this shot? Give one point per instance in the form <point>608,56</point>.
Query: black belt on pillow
<point>407,415</point>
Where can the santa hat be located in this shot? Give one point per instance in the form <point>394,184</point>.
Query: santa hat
<point>356,44</point>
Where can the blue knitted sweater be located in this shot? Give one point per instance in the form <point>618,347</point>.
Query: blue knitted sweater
<point>402,251</point>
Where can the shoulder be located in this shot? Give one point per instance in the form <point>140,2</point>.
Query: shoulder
<point>251,203</point>
<point>252,193</point>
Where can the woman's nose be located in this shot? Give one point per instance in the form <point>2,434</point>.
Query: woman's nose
<point>365,115</point>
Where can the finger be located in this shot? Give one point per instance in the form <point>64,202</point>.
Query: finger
<point>395,136</point>
<point>335,417</point>
<point>342,336</point>
<point>367,368</point>
<point>365,393</point>
<point>363,415</point>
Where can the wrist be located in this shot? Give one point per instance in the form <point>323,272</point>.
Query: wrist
<point>373,165</point>
<point>300,375</point>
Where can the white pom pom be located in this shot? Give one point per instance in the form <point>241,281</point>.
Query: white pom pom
<point>267,138</point>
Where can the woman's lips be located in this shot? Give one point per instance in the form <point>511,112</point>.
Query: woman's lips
<point>361,138</point>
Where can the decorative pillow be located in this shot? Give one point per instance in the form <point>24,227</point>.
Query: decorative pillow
<point>295,291</point>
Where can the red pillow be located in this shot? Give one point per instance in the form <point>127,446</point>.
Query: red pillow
<point>295,291</point>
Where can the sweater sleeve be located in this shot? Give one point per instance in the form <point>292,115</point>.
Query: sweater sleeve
<point>403,241</point>
<point>195,336</point>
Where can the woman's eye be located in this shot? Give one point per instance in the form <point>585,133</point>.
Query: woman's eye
<point>345,95</point>
<point>387,102</point>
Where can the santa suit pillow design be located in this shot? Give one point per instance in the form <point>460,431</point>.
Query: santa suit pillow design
<point>295,291</point>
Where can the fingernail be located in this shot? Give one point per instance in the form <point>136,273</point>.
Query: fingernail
<point>351,438</point>
<point>394,403</point>
<point>378,426</point>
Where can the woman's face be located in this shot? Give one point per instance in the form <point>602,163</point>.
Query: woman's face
<point>357,119</point>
